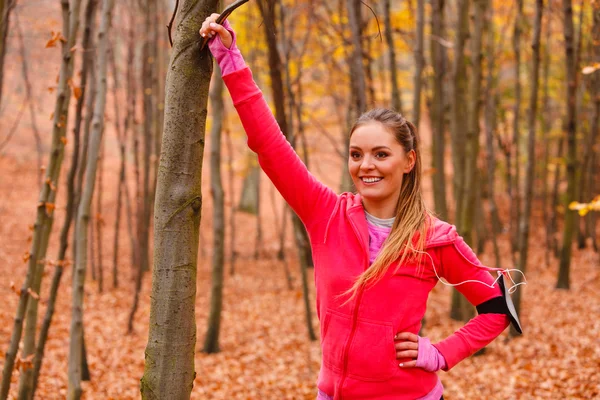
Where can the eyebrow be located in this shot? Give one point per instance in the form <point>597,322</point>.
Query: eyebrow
<point>373,149</point>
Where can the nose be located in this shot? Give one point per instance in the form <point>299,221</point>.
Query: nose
<point>367,163</point>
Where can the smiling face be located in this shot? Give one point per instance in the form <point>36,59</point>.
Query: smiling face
<point>377,164</point>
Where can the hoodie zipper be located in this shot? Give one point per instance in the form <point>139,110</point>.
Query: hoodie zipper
<point>354,315</point>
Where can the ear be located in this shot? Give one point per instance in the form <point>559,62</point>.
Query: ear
<point>412,159</point>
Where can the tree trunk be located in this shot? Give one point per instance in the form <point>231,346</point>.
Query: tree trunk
<point>490,127</point>
<point>389,39</point>
<point>99,219</point>
<point>459,104</point>
<point>459,308</point>
<point>6,7</point>
<point>211,342</point>
<point>419,62</point>
<point>45,208</point>
<point>595,130</point>
<point>149,97</point>
<point>523,239</point>
<point>545,128</point>
<point>122,138</point>
<point>74,390</point>
<point>31,105</point>
<point>515,206</point>
<point>230,178</point>
<point>437,109</point>
<point>169,368</point>
<point>563,281</point>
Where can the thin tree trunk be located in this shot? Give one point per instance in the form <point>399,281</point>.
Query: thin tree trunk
<point>99,218</point>
<point>389,39</point>
<point>459,104</point>
<point>74,390</point>
<point>523,239</point>
<point>122,138</point>
<point>595,129</point>
<point>490,127</point>
<point>45,207</point>
<point>147,77</point>
<point>515,206</point>
<point>211,342</point>
<point>459,126</point>
<point>230,178</point>
<point>553,220</point>
<point>29,91</point>
<point>563,281</point>
<point>419,62</point>
<point>6,7</point>
<point>169,368</point>
<point>437,109</point>
<point>545,120</point>
<point>92,242</point>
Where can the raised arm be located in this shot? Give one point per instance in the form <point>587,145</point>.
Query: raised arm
<point>308,197</point>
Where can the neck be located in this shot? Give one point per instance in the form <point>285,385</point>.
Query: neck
<point>378,210</point>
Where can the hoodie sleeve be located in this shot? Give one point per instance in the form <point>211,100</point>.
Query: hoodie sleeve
<point>460,264</point>
<point>308,197</point>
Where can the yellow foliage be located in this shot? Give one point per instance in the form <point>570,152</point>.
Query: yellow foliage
<point>584,208</point>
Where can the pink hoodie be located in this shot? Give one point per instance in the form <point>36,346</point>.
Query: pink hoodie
<point>357,338</point>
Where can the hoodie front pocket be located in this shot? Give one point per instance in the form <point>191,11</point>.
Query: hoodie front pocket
<point>336,328</point>
<point>372,356</point>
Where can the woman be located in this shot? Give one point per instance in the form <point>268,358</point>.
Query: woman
<point>377,253</point>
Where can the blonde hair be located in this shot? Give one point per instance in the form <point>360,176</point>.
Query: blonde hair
<point>406,240</point>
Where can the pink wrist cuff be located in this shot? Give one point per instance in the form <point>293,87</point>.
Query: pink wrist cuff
<point>428,357</point>
<point>229,60</point>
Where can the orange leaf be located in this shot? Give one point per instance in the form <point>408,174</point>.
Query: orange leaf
<point>49,207</point>
<point>77,92</point>
<point>14,288</point>
<point>24,364</point>
<point>33,294</point>
<point>26,257</point>
<point>63,140</point>
<point>56,36</point>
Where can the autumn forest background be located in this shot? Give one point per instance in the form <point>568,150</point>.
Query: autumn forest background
<point>108,130</point>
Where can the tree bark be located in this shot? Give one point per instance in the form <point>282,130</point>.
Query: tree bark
<point>459,308</point>
<point>74,390</point>
<point>516,189</point>
<point>437,109</point>
<point>389,39</point>
<point>230,178</point>
<point>595,130</point>
<point>419,62</point>
<point>211,342</point>
<point>563,281</point>
<point>169,368</point>
<point>523,239</point>
<point>6,7</point>
<point>490,127</point>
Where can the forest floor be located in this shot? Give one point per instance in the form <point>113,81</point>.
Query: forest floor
<point>265,351</point>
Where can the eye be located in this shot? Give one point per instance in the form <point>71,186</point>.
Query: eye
<point>355,155</point>
<point>381,154</point>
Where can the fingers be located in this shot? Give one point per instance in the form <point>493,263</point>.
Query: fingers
<point>406,350</point>
<point>407,336</point>
<point>206,30</point>
<point>408,364</point>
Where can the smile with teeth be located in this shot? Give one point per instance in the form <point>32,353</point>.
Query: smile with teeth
<point>370,179</point>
